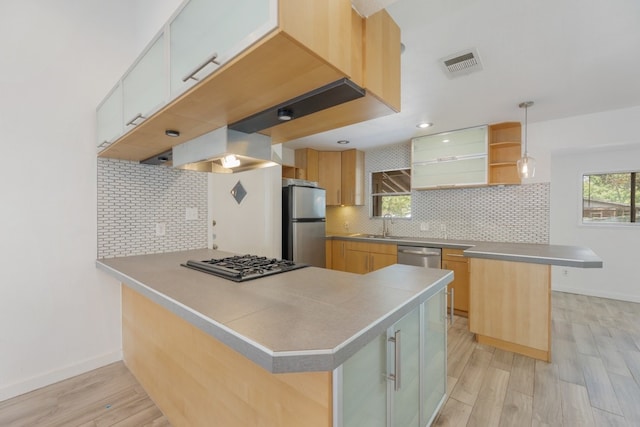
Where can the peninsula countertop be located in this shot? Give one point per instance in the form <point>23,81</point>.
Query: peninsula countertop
<point>311,319</point>
<point>561,255</point>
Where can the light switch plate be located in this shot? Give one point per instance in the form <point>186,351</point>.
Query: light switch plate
<point>161,228</point>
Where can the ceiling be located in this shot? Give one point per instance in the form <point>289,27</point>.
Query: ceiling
<point>570,57</point>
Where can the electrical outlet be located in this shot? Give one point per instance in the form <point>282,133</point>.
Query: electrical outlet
<point>565,272</point>
<point>191,214</point>
<point>424,226</point>
<point>346,225</point>
<point>161,228</point>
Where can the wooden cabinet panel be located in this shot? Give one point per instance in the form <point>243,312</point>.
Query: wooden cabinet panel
<point>352,188</point>
<point>338,255</point>
<point>357,261</point>
<point>307,159</point>
<point>454,260</point>
<point>504,151</point>
<point>364,257</point>
<point>330,176</point>
<point>510,306</point>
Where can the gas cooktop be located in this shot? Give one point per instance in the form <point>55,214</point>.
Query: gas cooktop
<point>241,268</point>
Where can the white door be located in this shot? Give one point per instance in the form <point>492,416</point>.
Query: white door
<point>253,226</point>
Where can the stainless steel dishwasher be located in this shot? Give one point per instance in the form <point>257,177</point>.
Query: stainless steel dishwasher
<point>420,256</point>
<point>427,258</point>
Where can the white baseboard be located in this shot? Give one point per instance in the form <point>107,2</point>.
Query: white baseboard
<point>37,381</point>
<point>597,293</point>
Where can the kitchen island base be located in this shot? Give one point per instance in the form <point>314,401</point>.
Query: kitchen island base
<point>510,306</point>
<point>198,381</point>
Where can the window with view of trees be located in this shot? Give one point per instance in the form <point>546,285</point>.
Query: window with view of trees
<point>611,198</point>
<point>391,193</point>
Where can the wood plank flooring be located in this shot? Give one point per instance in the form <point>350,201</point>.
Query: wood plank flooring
<point>593,380</point>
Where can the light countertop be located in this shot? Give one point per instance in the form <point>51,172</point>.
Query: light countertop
<point>311,319</point>
<point>567,256</point>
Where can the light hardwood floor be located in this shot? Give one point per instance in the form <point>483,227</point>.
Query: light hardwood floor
<point>593,380</point>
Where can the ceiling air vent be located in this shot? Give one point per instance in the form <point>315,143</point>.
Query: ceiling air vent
<point>461,63</point>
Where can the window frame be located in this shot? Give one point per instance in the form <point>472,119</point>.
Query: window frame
<point>635,199</point>
<point>372,194</point>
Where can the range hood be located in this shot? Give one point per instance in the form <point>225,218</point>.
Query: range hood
<point>225,151</point>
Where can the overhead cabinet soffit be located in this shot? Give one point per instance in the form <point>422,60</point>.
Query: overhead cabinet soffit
<point>284,65</point>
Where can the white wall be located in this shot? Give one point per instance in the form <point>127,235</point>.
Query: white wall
<point>59,316</point>
<point>566,149</point>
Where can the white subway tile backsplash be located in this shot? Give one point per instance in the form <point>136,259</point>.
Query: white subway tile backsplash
<point>514,213</point>
<point>132,198</point>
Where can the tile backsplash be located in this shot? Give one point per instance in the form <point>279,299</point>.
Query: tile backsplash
<point>133,199</point>
<point>513,213</point>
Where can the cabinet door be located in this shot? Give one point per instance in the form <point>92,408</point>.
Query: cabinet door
<point>460,284</point>
<point>204,28</point>
<point>379,261</point>
<point>357,261</point>
<point>330,176</point>
<point>109,120</point>
<point>352,187</point>
<point>406,393</point>
<point>468,171</point>
<point>338,255</point>
<point>434,356</point>
<point>460,143</point>
<point>144,88</point>
<point>364,386</point>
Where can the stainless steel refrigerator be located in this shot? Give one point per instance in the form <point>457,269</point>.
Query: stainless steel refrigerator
<point>303,224</point>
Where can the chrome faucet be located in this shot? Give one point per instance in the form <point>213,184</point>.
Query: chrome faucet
<point>386,220</point>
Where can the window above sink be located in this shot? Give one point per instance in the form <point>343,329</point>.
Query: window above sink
<point>391,193</point>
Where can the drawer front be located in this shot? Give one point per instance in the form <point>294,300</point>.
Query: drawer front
<point>454,255</point>
<point>378,248</point>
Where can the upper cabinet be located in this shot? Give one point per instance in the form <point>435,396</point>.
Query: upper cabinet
<point>450,159</point>
<point>144,86</point>
<point>504,151</point>
<point>341,173</point>
<point>485,155</point>
<point>109,118</point>
<point>206,34</point>
<point>217,63</point>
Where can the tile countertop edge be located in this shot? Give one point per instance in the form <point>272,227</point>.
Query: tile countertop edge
<point>283,361</point>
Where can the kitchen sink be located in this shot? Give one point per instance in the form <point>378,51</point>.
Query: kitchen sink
<point>375,236</point>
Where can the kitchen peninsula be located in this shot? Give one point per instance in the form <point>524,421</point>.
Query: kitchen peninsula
<point>508,287</point>
<point>273,351</point>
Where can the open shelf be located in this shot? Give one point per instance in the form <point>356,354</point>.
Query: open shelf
<point>505,148</point>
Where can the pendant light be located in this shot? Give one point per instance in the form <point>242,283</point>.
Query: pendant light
<point>526,164</point>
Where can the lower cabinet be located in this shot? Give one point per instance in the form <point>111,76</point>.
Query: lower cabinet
<point>399,378</point>
<point>363,257</point>
<point>453,259</point>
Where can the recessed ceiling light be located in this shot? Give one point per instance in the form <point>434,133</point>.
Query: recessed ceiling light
<point>342,142</point>
<point>424,125</point>
<point>445,140</point>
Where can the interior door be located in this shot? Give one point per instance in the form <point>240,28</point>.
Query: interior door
<point>253,226</point>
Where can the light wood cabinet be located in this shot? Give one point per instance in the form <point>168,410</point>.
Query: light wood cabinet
<point>310,39</point>
<point>338,255</point>
<point>307,160</point>
<point>341,173</point>
<point>364,257</point>
<point>454,260</point>
<point>510,306</point>
<point>505,149</point>
<point>330,176</point>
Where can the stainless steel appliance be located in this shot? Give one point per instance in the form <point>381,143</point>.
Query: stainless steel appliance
<point>303,224</point>
<point>241,268</point>
<point>420,256</point>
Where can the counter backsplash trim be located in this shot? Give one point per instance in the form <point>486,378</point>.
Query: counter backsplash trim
<point>133,198</point>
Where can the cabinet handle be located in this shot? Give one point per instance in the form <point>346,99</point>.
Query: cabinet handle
<point>342,249</point>
<point>458,255</point>
<point>103,144</point>
<point>395,377</point>
<point>138,116</point>
<point>209,60</point>
<point>366,263</point>
<point>452,293</point>
<point>339,201</point>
